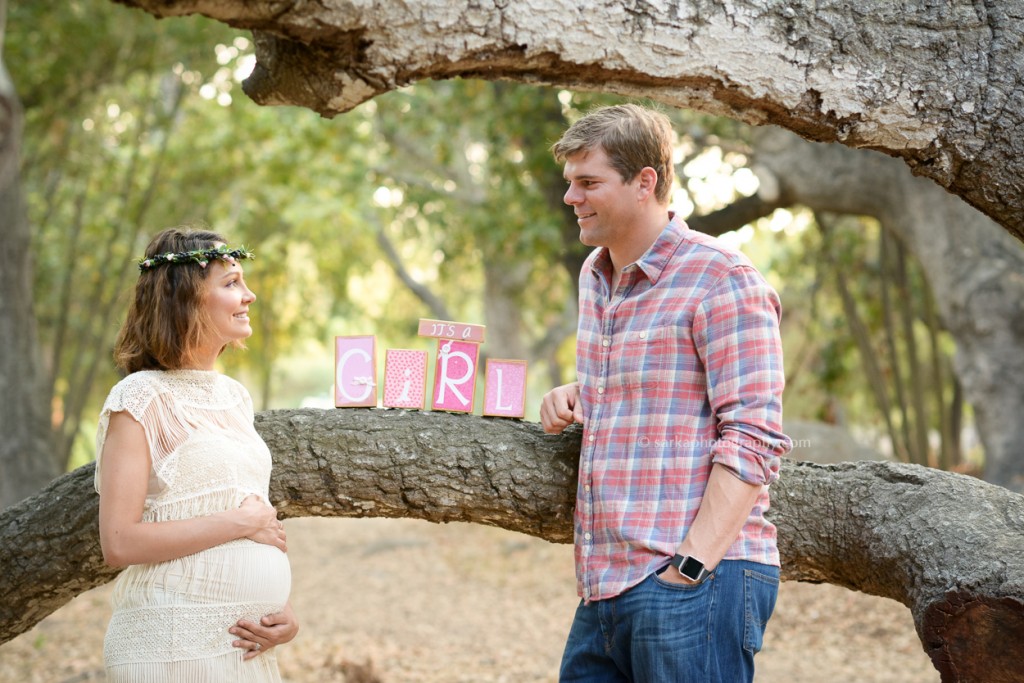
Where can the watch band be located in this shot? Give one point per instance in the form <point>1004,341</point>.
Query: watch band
<point>690,567</point>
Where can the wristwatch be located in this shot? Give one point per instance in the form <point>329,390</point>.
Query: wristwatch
<point>690,567</point>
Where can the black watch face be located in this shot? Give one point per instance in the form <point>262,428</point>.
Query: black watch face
<point>691,568</point>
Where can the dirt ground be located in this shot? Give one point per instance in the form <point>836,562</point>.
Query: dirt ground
<point>397,601</point>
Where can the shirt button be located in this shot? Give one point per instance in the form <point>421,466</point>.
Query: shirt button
<point>587,536</point>
<point>587,488</point>
<point>606,342</point>
<point>600,390</point>
<point>592,437</point>
<point>643,335</point>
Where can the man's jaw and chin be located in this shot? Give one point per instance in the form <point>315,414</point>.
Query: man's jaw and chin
<point>587,236</point>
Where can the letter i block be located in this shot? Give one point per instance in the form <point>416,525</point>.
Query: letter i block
<point>505,388</point>
<point>355,372</point>
<point>455,376</point>
<point>405,379</point>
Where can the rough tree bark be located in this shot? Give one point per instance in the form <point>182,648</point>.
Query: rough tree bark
<point>939,85</point>
<point>898,531</point>
<point>23,409</point>
<point>975,271</point>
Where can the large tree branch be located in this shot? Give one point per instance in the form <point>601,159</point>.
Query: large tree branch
<point>899,531</point>
<point>938,542</point>
<point>935,84</point>
<point>734,216</point>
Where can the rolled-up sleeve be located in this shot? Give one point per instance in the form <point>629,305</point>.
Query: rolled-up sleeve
<point>736,332</point>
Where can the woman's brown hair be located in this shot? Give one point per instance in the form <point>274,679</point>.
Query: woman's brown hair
<point>166,319</point>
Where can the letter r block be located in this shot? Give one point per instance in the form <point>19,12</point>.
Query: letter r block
<point>455,376</point>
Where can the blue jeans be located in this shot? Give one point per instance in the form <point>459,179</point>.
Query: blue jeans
<point>661,632</point>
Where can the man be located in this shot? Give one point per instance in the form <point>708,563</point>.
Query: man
<point>679,390</point>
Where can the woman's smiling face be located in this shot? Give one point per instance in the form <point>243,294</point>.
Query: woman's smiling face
<point>227,303</point>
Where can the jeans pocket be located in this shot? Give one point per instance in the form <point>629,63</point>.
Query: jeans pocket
<point>760,591</point>
<point>682,587</point>
<point>672,618</point>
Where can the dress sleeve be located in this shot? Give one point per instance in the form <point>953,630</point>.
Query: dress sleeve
<point>736,330</point>
<point>132,395</point>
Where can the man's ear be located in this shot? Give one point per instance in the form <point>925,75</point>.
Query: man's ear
<point>648,181</point>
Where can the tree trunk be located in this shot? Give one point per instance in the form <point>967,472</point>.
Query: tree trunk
<point>898,531</point>
<point>24,465</point>
<point>935,84</point>
<point>504,281</point>
<point>974,270</point>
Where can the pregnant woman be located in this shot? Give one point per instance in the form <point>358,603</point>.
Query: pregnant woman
<point>183,481</point>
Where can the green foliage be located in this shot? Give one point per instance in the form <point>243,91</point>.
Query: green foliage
<point>472,189</point>
<point>876,361</point>
<point>134,124</point>
<point>103,89</point>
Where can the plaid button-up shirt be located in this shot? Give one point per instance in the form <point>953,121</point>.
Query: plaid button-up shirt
<point>679,368</point>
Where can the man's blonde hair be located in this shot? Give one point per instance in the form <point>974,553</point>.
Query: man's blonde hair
<point>632,136</point>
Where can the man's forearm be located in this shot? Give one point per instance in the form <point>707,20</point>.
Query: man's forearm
<point>723,511</point>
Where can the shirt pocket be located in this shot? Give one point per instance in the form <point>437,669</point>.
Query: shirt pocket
<point>648,357</point>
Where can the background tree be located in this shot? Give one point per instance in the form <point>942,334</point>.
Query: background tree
<point>133,138</point>
<point>103,120</point>
<point>303,207</point>
<point>24,448</point>
<point>308,183</point>
<point>936,85</point>
<point>972,270</point>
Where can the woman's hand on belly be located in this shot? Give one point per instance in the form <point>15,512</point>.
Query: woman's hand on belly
<point>262,523</point>
<point>274,629</point>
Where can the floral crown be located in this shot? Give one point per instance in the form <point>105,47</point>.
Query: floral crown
<point>200,256</point>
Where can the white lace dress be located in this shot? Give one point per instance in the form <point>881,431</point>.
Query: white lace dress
<point>170,621</point>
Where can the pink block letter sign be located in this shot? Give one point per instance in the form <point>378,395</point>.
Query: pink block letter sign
<point>505,388</point>
<point>405,379</point>
<point>444,329</point>
<point>455,376</point>
<point>355,372</point>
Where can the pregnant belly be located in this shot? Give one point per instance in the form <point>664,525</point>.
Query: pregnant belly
<point>240,572</point>
<point>182,609</point>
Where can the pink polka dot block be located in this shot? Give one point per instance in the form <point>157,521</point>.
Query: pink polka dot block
<point>405,379</point>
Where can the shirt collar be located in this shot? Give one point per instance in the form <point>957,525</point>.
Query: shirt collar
<point>656,258</point>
